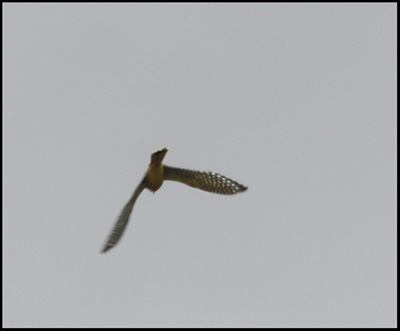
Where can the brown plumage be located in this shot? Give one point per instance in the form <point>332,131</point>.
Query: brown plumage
<point>153,179</point>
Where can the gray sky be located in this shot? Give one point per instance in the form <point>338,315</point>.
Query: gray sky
<point>296,101</point>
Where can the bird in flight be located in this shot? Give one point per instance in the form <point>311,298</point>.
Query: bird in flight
<point>153,179</point>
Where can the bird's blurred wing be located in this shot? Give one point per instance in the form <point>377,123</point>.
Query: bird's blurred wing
<point>122,220</point>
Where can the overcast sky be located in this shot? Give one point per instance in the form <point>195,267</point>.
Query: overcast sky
<point>296,101</point>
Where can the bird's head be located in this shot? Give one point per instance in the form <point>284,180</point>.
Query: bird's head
<point>158,156</point>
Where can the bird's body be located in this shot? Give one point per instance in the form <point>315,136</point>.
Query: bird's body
<point>153,179</point>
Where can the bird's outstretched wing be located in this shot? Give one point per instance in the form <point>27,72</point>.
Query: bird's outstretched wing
<point>122,220</point>
<point>203,180</point>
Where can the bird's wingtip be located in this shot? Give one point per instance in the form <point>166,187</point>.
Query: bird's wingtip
<point>105,249</point>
